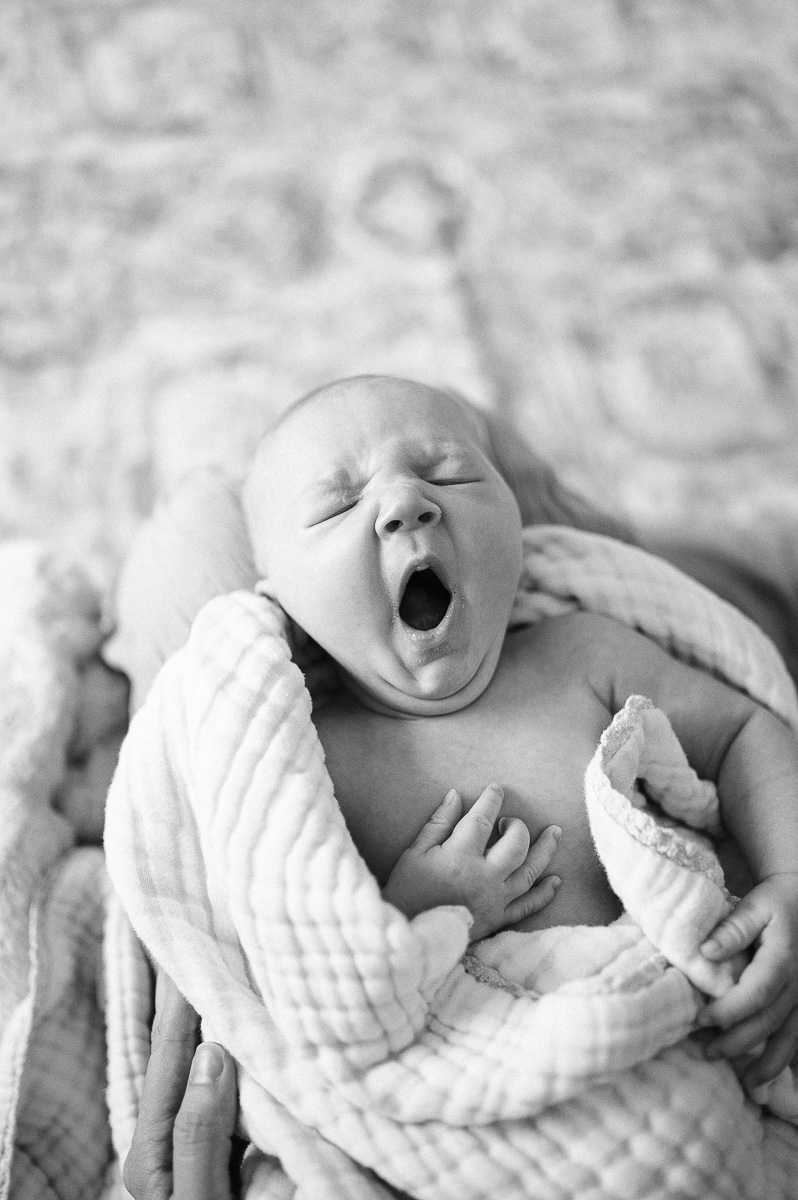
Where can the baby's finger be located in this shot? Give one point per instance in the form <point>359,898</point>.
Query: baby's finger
<point>760,984</point>
<point>511,848</point>
<point>736,932</point>
<point>475,828</point>
<point>780,1052</point>
<point>744,1036</point>
<point>442,822</point>
<point>535,899</point>
<point>537,860</point>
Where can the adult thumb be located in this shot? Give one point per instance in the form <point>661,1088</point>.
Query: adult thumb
<point>204,1126</point>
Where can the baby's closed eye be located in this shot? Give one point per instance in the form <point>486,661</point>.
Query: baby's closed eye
<point>452,481</point>
<point>335,506</point>
<point>337,512</point>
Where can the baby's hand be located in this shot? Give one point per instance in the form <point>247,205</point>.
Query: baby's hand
<point>449,863</point>
<point>759,1015</point>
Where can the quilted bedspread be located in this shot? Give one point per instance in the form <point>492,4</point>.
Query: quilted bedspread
<point>62,716</point>
<point>378,1053</point>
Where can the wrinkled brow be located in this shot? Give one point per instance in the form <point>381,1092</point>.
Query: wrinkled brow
<point>420,455</point>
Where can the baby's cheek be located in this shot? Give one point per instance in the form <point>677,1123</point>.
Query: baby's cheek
<point>336,615</point>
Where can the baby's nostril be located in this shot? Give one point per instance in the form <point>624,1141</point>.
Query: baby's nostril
<point>425,517</point>
<point>392,526</point>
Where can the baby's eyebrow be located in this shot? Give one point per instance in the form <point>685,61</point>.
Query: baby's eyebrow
<point>331,485</point>
<point>460,451</point>
<point>424,457</point>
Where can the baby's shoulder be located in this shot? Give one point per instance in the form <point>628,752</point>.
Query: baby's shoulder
<point>576,635</point>
<point>582,648</point>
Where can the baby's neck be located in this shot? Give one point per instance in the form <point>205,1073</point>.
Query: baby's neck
<point>395,703</point>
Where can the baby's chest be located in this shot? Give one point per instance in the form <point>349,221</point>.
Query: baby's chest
<point>390,775</point>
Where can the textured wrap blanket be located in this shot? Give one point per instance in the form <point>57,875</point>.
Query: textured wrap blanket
<point>374,1050</point>
<point>62,717</point>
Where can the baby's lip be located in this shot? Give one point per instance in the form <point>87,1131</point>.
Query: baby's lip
<point>427,642</point>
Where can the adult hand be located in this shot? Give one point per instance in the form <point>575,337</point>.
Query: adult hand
<point>183,1145</point>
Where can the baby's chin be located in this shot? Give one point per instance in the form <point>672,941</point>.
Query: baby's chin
<point>433,690</point>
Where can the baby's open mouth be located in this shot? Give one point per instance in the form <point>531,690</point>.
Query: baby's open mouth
<point>425,601</point>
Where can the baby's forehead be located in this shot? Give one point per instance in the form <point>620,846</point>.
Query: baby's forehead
<point>366,406</point>
<point>338,423</point>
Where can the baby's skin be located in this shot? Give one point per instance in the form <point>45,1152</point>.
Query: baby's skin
<point>535,728</point>
<point>387,534</point>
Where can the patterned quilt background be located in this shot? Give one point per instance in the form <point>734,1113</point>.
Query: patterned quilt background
<point>584,214</point>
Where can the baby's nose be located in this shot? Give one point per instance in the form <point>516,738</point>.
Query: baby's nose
<point>404,509</point>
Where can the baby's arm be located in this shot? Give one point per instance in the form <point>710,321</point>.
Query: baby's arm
<point>758,788</point>
<point>450,863</point>
<point>753,758</point>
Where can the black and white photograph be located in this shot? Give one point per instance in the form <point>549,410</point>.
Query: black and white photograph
<point>398,600</point>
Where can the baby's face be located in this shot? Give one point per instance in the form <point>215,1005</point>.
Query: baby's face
<point>387,534</point>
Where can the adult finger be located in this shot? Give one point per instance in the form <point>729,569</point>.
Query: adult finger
<point>204,1127</point>
<point>147,1171</point>
<point>537,860</point>
<point>744,1036</point>
<point>440,825</point>
<point>474,830</point>
<point>781,1049</point>
<point>511,848</point>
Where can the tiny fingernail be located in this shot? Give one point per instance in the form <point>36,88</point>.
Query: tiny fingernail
<point>208,1063</point>
<point>449,797</point>
<point>502,824</point>
<point>557,832</point>
<point>711,946</point>
<point>555,879</point>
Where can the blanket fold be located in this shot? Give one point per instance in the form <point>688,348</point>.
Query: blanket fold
<point>545,1064</point>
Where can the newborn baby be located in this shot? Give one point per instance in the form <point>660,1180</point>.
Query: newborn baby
<point>387,534</point>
